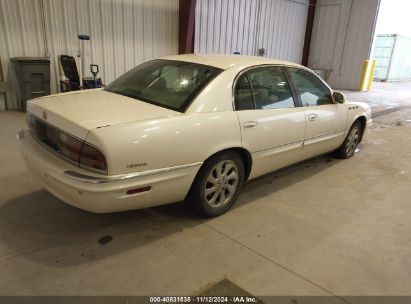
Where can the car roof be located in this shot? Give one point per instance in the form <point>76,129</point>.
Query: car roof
<point>227,61</point>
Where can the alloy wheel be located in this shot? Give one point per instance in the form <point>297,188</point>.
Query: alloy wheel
<point>221,184</point>
<point>353,140</point>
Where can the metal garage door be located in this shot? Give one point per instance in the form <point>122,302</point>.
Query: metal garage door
<point>228,26</point>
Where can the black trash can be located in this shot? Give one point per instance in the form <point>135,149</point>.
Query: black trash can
<point>33,78</point>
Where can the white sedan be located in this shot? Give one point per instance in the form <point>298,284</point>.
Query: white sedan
<point>188,127</point>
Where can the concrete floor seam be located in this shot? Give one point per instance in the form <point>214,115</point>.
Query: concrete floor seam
<point>388,111</point>
<point>275,263</point>
<point>32,216</point>
<point>16,254</point>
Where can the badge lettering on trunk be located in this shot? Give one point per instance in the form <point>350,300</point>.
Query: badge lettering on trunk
<point>135,165</point>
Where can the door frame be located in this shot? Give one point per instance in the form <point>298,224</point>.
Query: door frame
<point>294,94</point>
<point>275,150</point>
<point>313,107</point>
<point>293,88</point>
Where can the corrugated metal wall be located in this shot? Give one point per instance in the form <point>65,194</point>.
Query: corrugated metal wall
<point>124,33</point>
<point>20,35</point>
<point>227,26</point>
<point>282,28</point>
<point>341,41</point>
<point>342,37</point>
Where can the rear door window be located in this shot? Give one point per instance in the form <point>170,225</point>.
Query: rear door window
<point>270,88</point>
<point>243,95</point>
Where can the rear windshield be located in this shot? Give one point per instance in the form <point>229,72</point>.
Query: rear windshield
<point>166,83</point>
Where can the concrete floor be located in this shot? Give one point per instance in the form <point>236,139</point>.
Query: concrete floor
<point>325,227</point>
<point>384,95</point>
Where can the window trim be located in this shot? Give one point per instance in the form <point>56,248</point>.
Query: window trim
<point>296,100</point>
<point>294,92</point>
<point>251,90</point>
<point>287,67</point>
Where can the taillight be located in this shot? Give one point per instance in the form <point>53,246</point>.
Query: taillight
<point>81,152</point>
<point>70,147</point>
<point>92,157</point>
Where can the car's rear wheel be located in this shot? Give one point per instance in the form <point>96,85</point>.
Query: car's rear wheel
<point>217,185</point>
<point>351,142</point>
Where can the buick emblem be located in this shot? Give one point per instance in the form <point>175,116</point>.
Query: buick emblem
<point>45,115</point>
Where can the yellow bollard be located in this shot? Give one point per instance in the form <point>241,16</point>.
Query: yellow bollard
<point>367,75</point>
<point>371,75</point>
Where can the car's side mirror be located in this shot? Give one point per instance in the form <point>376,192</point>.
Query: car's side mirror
<point>339,97</point>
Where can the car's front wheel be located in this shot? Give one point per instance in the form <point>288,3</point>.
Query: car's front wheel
<point>217,185</point>
<point>351,142</point>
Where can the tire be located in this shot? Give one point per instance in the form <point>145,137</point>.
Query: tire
<point>217,184</point>
<point>351,142</point>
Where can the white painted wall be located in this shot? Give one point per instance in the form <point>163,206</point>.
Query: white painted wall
<point>342,38</point>
<point>124,33</point>
<point>227,26</point>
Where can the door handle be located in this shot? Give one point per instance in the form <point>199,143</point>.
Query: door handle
<point>249,124</point>
<point>312,117</point>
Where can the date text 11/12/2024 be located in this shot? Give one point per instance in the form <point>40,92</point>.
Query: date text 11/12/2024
<point>204,299</point>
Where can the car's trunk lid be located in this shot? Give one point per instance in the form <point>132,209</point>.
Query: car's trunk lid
<point>79,112</point>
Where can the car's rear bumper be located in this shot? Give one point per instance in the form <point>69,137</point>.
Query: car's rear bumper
<point>101,193</point>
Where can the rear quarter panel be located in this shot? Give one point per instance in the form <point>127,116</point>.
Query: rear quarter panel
<point>166,142</point>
